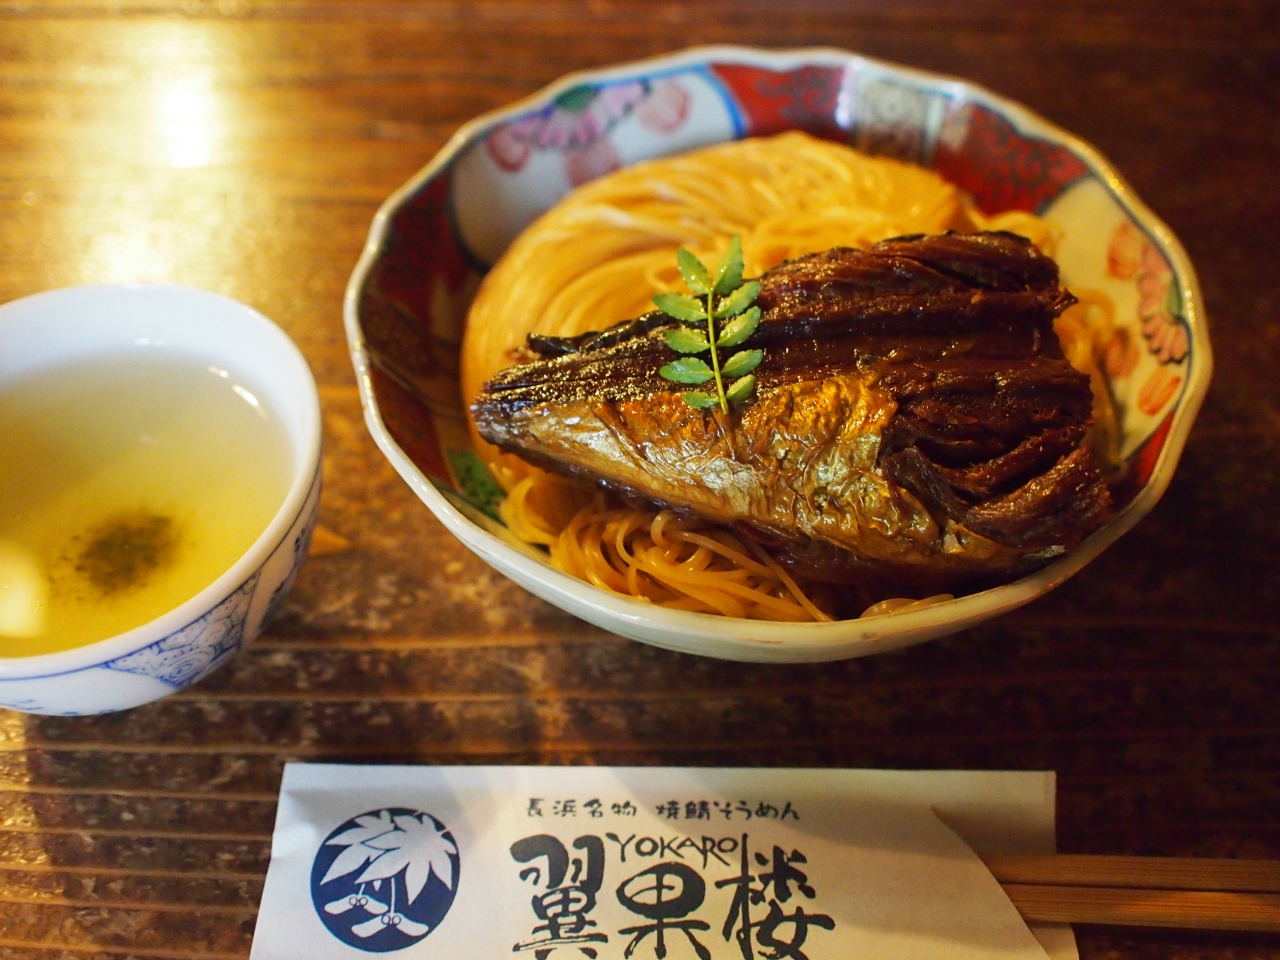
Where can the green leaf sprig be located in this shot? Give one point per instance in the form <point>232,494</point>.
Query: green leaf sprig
<point>719,296</point>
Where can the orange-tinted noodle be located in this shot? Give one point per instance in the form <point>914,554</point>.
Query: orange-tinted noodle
<point>598,257</point>
<point>657,556</point>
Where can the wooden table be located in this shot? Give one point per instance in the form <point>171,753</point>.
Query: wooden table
<point>243,146</point>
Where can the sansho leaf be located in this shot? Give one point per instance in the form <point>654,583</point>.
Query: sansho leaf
<point>742,363</point>
<point>687,370</point>
<point>693,272</point>
<point>738,301</point>
<point>740,389</point>
<point>729,270</point>
<point>739,328</point>
<point>681,306</point>
<point>685,340</point>
<point>699,399</point>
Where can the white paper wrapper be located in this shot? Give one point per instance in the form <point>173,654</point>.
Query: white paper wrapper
<point>633,863</point>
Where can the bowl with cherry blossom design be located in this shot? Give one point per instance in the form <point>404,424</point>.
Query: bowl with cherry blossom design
<point>434,238</point>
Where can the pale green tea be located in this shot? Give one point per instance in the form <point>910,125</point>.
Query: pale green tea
<point>127,486</point>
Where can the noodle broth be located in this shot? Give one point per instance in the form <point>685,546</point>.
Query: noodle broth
<point>129,484</point>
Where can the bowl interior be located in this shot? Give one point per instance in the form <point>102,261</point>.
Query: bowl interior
<point>78,323</point>
<point>65,326</point>
<point>435,238</point>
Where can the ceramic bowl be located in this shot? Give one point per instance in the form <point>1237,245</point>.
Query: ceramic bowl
<point>187,643</point>
<point>434,238</point>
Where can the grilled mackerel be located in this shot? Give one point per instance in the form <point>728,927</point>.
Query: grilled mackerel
<point>915,426</point>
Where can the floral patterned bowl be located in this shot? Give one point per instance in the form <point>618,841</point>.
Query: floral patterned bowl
<point>186,644</point>
<point>434,238</point>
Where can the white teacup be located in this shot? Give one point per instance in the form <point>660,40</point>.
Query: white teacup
<point>188,642</point>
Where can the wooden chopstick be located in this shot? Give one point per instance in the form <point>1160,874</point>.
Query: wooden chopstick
<point>1188,893</point>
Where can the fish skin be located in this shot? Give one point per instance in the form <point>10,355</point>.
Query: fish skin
<point>915,424</point>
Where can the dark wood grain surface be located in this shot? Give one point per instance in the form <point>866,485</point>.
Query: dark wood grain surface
<point>244,147</point>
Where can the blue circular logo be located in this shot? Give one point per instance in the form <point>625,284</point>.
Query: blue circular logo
<point>385,879</point>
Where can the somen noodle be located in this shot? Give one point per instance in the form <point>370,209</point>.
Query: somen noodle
<point>600,255</point>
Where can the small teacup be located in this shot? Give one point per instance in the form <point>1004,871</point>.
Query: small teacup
<point>180,647</point>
